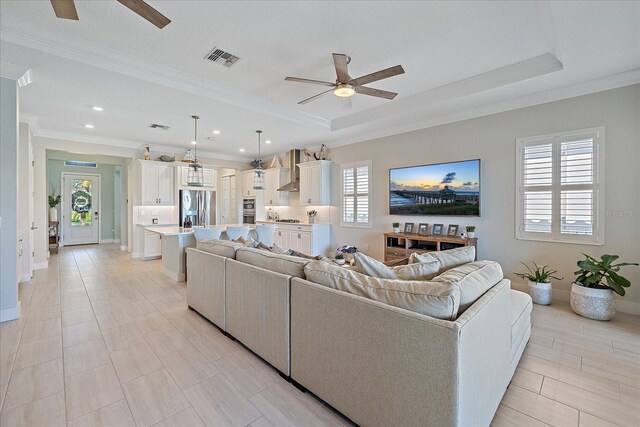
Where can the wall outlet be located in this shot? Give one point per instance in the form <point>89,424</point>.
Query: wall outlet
<point>141,213</point>
<point>154,220</point>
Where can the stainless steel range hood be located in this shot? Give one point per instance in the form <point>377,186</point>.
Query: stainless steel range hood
<point>294,172</point>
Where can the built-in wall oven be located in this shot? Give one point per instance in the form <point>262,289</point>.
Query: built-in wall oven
<point>249,210</point>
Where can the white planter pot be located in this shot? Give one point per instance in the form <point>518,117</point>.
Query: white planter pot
<point>471,234</point>
<point>53,214</point>
<point>396,230</point>
<point>541,293</point>
<point>597,304</point>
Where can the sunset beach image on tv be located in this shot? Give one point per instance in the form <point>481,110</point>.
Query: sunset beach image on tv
<point>439,189</point>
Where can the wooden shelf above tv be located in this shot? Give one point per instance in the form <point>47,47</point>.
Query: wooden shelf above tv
<point>402,245</point>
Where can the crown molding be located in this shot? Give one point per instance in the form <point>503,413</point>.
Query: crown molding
<point>31,120</point>
<point>12,71</point>
<point>615,81</point>
<point>136,146</point>
<point>20,32</point>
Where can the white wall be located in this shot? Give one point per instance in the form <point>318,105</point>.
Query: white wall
<point>492,139</point>
<point>9,305</point>
<point>25,200</point>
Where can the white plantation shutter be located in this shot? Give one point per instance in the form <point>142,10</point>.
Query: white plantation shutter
<point>559,191</point>
<point>356,183</point>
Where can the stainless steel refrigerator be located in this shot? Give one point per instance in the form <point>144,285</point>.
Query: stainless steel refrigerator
<point>199,206</point>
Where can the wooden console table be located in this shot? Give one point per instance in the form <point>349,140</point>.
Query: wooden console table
<point>402,245</point>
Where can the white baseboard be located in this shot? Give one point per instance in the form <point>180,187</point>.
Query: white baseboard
<point>10,313</point>
<point>178,277</point>
<point>105,241</point>
<point>116,240</point>
<point>135,255</point>
<point>123,248</point>
<point>41,265</point>
<point>25,278</point>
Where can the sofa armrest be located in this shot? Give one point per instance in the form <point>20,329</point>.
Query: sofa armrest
<point>377,364</point>
<point>484,355</point>
<point>206,285</point>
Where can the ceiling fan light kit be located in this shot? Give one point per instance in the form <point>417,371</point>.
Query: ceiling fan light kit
<point>345,86</point>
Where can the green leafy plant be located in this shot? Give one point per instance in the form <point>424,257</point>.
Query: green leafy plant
<point>538,274</point>
<point>395,225</point>
<point>339,256</point>
<point>54,200</point>
<point>602,274</point>
<point>470,228</point>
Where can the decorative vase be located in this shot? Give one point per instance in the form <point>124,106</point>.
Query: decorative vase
<point>396,229</point>
<point>312,219</point>
<point>340,261</point>
<point>593,303</point>
<point>540,293</point>
<point>53,214</point>
<point>471,234</point>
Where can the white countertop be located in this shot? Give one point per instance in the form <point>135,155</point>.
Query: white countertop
<point>174,230</point>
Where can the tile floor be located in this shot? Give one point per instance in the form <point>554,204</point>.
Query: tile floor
<point>107,341</point>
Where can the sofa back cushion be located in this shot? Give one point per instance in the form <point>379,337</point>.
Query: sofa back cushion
<point>284,264</point>
<point>448,259</point>
<point>473,279</point>
<point>225,248</point>
<point>436,299</point>
<point>417,271</point>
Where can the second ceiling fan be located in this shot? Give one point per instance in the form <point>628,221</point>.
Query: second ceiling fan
<point>66,9</point>
<point>345,86</point>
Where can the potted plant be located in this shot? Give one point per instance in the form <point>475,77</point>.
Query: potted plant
<point>471,231</point>
<point>396,227</point>
<point>340,259</point>
<point>311,215</point>
<point>53,202</point>
<point>594,285</point>
<point>540,287</point>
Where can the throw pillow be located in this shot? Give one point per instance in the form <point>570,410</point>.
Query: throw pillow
<point>436,299</point>
<point>416,271</point>
<point>303,255</point>
<point>448,259</point>
<point>249,243</point>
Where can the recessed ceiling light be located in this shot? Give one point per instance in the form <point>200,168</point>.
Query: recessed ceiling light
<point>242,150</point>
<point>88,126</point>
<point>268,141</point>
<point>96,108</point>
<point>194,142</point>
<point>217,132</point>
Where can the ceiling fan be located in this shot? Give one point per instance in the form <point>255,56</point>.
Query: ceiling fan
<point>66,9</point>
<point>346,87</point>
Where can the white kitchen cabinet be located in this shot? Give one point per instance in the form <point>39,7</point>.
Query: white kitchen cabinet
<point>156,183</point>
<point>312,239</point>
<point>209,177</point>
<point>315,183</point>
<point>247,184</point>
<point>152,245</point>
<point>275,178</point>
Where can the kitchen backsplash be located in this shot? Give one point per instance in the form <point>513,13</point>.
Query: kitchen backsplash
<point>300,212</point>
<point>166,215</point>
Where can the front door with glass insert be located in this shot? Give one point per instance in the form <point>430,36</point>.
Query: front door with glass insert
<point>80,209</point>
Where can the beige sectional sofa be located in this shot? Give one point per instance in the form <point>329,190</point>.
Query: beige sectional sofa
<point>376,363</point>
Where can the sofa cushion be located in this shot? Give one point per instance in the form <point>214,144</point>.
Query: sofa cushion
<point>473,279</point>
<point>223,248</point>
<point>416,271</point>
<point>284,264</point>
<point>521,307</point>
<point>435,299</point>
<point>449,258</point>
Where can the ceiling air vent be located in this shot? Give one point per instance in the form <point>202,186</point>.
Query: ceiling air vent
<point>219,56</point>
<point>157,126</point>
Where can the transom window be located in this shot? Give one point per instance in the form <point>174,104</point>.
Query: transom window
<point>559,189</point>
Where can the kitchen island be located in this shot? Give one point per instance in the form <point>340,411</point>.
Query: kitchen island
<point>174,242</point>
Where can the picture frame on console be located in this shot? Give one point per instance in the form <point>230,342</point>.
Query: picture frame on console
<point>423,229</point>
<point>408,227</point>
<point>437,229</point>
<point>452,231</point>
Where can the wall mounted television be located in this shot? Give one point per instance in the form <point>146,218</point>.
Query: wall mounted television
<point>443,189</point>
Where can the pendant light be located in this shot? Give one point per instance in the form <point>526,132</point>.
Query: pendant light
<point>258,174</point>
<point>195,175</point>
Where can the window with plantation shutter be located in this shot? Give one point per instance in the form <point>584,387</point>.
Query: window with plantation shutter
<point>559,189</point>
<point>356,198</point>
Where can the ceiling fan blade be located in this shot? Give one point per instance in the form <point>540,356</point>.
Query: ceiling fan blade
<point>375,92</point>
<point>315,82</point>
<point>65,9</point>
<point>314,97</point>
<point>340,62</point>
<point>378,75</point>
<point>147,12</point>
